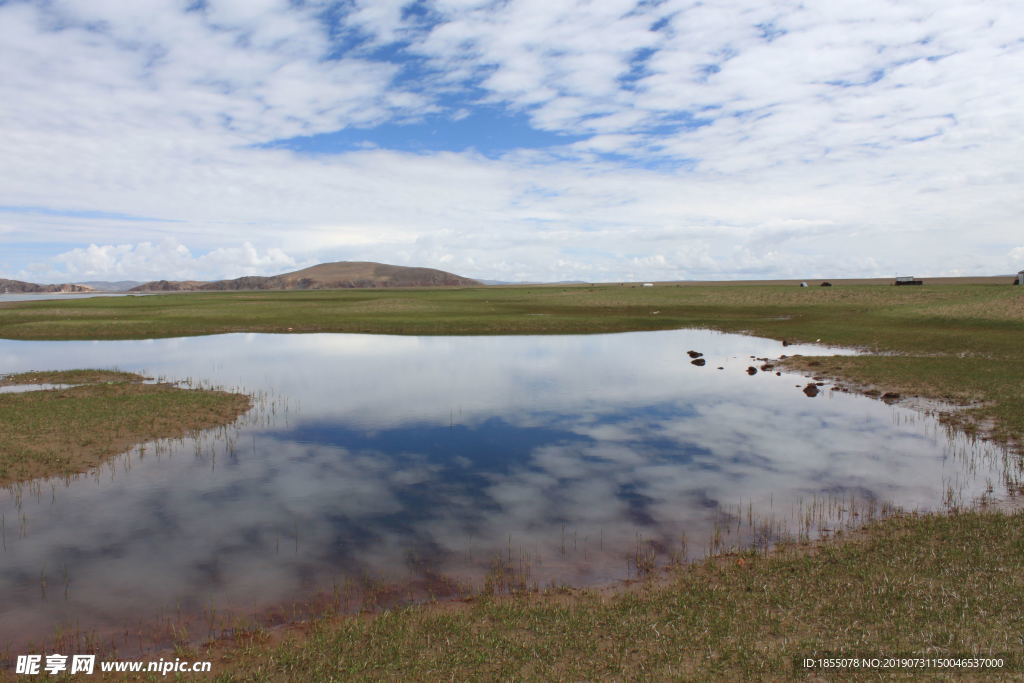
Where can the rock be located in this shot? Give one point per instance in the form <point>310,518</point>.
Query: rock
<point>694,354</point>
<point>778,374</point>
<point>890,396</point>
<point>811,390</point>
<point>785,343</point>
<point>751,370</point>
<point>698,362</point>
<point>766,367</point>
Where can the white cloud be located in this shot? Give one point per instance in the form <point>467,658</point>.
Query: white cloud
<point>150,261</point>
<point>885,135</point>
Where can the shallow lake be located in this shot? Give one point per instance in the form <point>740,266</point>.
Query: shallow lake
<point>48,296</point>
<point>569,459</point>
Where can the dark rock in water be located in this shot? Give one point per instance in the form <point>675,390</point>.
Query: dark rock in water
<point>720,367</point>
<point>766,367</point>
<point>778,374</point>
<point>890,396</point>
<point>785,343</point>
<point>699,361</point>
<point>751,370</point>
<point>811,390</point>
<point>694,354</point>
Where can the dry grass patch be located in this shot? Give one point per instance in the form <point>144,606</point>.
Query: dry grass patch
<point>1009,307</point>
<point>70,377</point>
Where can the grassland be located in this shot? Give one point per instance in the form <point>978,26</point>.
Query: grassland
<point>911,318</point>
<point>61,432</point>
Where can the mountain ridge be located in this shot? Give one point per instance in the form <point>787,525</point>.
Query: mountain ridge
<point>333,275</point>
<point>19,287</point>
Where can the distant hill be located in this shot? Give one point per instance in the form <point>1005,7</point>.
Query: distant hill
<point>169,286</point>
<point>104,286</point>
<point>19,287</point>
<point>339,275</point>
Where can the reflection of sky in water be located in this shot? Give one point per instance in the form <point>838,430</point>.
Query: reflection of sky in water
<point>375,450</point>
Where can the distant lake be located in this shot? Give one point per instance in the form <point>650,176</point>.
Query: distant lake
<point>572,459</point>
<point>58,295</point>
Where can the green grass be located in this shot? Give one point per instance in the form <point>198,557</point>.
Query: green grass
<point>927,586</point>
<point>955,341</point>
<point>62,432</point>
<point>908,318</point>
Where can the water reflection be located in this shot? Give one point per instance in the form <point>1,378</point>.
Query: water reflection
<point>395,456</point>
<point>22,388</point>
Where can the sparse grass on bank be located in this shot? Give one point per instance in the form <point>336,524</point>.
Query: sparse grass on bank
<point>61,432</point>
<point>929,586</point>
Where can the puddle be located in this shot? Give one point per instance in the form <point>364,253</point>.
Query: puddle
<point>572,459</point>
<point>22,388</point>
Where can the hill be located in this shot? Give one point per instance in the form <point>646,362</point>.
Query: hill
<point>106,286</point>
<point>19,287</point>
<point>338,275</point>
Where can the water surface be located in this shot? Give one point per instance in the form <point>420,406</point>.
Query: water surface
<point>6,297</point>
<point>569,457</point>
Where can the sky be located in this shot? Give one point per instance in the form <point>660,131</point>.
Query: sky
<point>601,140</point>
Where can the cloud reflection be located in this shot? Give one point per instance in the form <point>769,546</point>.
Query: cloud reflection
<point>450,450</point>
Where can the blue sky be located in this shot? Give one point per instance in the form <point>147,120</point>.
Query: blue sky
<point>489,131</point>
<point>529,139</point>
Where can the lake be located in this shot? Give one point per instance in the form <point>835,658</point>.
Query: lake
<point>47,296</point>
<point>424,461</point>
